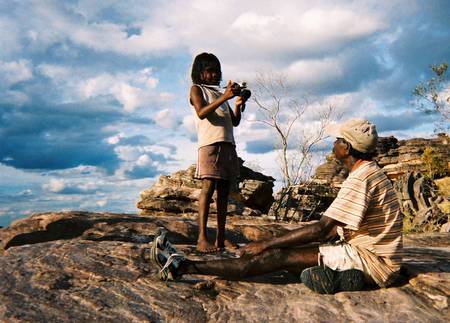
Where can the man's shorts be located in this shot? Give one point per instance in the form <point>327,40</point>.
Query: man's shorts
<point>218,161</point>
<point>340,257</point>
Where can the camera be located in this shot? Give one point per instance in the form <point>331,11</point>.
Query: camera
<point>242,90</point>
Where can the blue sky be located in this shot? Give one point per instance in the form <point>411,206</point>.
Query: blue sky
<point>93,104</point>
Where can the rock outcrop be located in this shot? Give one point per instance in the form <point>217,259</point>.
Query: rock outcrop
<point>91,267</point>
<point>419,200</point>
<point>180,192</point>
<point>398,157</point>
<point>303,202</point>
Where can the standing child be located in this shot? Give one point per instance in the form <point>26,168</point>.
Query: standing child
<point>217,164</point>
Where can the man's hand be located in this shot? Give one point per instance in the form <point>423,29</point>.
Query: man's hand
<point>253,248</point>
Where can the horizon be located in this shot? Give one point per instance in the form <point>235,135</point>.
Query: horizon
<point>94,105</point>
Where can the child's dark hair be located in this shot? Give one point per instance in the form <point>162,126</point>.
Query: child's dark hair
<point>201,61</point>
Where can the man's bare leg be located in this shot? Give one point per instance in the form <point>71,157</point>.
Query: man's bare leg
<point>272,260</point>
<point>203,245</point>
<point>223,189</point>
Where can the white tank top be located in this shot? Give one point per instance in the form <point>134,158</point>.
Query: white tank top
<point>217,126</point>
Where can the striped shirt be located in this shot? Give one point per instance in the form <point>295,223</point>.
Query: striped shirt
<point>368,206</point>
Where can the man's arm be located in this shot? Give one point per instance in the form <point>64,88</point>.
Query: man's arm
<point>311,232</point>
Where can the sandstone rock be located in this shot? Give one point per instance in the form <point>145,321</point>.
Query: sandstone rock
<point>100,273</point>
<point>395,157</point>
<point>445,228</point>
<point>400,157</point>
<point>332,172</point>
<point>303,202</point>
<point>179,193</point>
<point>419,202</point>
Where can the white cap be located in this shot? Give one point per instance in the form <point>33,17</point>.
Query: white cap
<point>360,133</point>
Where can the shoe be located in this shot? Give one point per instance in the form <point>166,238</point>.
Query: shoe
<point>319,279</point>
<point>350,280</point>
<point>165,256</point>
<point>324,280</point>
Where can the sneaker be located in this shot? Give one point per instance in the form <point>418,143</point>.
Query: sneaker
<point>324,280</point>
<point>165,256</point>
<point>319,279</point>
<point>350,280</point>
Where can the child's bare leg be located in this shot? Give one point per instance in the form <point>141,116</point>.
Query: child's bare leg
<point>223,190</point>
<point>203,245</point>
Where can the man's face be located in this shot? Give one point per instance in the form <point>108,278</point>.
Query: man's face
<point>340,148</point>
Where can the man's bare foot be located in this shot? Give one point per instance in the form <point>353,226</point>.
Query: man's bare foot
<point>204,246</point>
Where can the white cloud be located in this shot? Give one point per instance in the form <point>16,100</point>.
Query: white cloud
<point>55,185</point>
<point>26,192</point>
<point>166,119</point>
<point>113,140</point>
<point>101,203</point>
<point>9,38</point>
<point>55,72</point>
<point>15,71</point>
<point>132,90</point>
<point>188,123</point>
<point>314,72</point>
<point>66,186</point>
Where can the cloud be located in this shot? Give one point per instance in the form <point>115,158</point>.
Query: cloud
<point>166,119</point>
<point>143,167</point>
<point>15,71</point>
<point>143,161</point>
<point>298,31</point>
<point>56,137</point>
<point>62,186</point>
<point>132,89</point>
<point>10,37</point>
<point>406,120</point>
<point>259,146</point>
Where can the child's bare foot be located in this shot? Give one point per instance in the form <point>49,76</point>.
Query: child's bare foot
<point>204,246</point>
<point>227,244</point>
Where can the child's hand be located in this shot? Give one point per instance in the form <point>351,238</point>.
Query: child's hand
<point>230,91</point>
<point>240,103</point>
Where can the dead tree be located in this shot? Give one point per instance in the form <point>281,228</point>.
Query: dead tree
<point>287,115</point>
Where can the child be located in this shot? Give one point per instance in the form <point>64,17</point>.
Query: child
<point>217,164</point>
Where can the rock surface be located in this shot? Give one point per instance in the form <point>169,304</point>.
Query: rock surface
<point>180,192</point>
<point>86,267</point>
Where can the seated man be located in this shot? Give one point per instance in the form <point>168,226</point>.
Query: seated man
<point>365,213</point>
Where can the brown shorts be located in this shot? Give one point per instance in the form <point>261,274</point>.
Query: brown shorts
<point>218,161</point>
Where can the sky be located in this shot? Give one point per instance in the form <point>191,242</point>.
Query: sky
<point>94,94</point>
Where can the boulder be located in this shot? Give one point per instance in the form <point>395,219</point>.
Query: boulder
<point>331,173</point>
<point>419,200</point>
<point>99,272</point>
<point>400,157</point>
<point>180,192</point>
<point>303,202</point>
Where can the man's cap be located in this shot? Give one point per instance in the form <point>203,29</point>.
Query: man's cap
<point>360,133</point>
